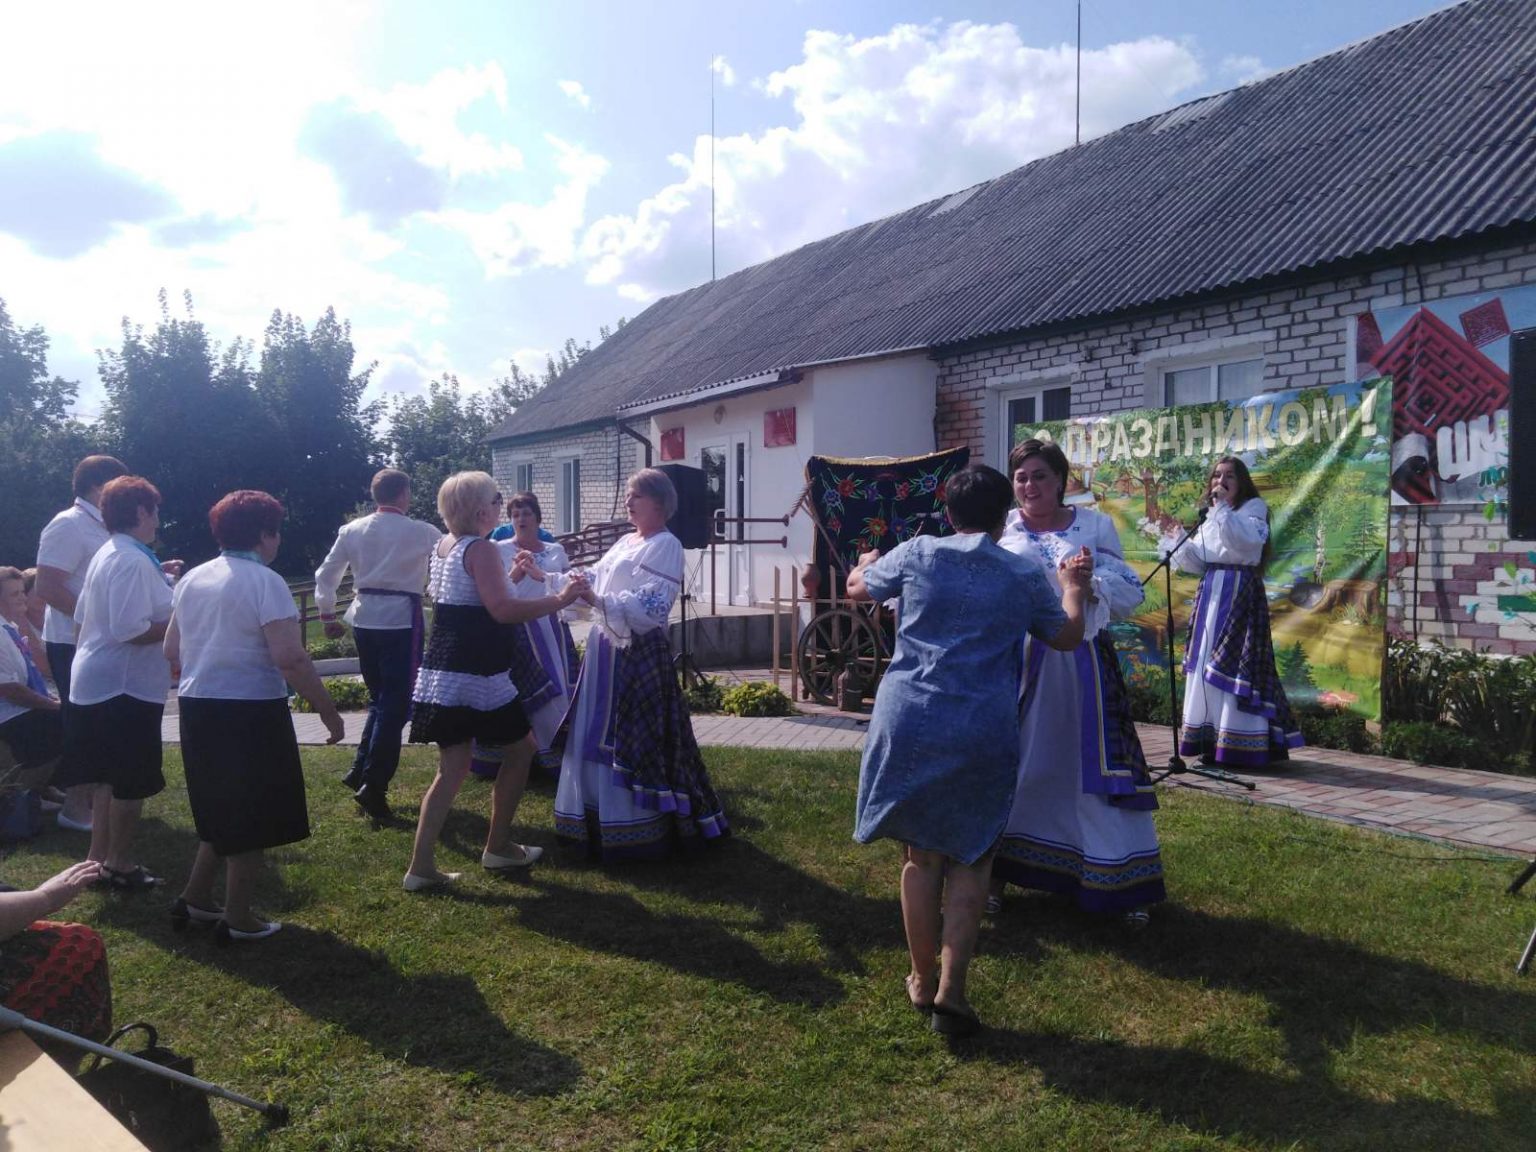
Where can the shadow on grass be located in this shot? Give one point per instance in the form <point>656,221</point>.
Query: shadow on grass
<point>437,1020</point>
<point>731,872</point>
<point>1322,992</point>
<point>1210,1095</point>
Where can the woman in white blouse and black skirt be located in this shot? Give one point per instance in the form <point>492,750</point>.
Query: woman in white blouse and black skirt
<point>234,634</point>
<point>463,691</point>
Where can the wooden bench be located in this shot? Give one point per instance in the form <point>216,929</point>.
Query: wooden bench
<point>44,1109</point>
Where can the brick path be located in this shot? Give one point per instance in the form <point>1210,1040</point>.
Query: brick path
<point>1476,809</point>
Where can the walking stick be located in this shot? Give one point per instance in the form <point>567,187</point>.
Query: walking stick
<point>276,1114</point>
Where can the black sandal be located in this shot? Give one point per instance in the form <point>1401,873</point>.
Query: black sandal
<point>135,879</point>
<point>955,1022</point>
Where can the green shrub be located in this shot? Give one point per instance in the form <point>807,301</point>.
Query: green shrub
<point>1147,690</point>
<point>704,695</point>
<point>756,699</point>
<point>325,648</point>
<point>350,695</point>
<point>1335,728</point>
<point>1495,700</point>
<point>1427,743</point>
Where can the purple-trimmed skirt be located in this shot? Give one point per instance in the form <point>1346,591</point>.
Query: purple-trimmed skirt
<point>1235,709</point>
<point>632,783</point>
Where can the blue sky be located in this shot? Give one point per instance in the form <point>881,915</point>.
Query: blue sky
<point>470,183</point>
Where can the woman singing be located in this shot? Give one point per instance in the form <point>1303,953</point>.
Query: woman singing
<point>1235,710</point>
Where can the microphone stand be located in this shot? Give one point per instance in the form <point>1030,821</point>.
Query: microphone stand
<point>1176,765</point>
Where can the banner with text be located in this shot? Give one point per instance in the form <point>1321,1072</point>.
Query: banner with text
<point>1319,457</point>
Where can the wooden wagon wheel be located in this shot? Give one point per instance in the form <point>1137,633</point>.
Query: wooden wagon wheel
<point>836,641</point>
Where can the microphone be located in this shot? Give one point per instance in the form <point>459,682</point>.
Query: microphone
<point>1205,510</point>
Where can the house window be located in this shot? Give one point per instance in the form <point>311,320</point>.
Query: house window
<point>1229,380</point>
<point>568,496</point>
<point>1024,409</point>
<point>522,476</point>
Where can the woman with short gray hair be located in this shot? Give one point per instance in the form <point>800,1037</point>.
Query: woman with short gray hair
<point>632,782</point>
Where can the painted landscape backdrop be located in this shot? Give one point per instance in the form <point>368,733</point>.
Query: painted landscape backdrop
<point>1320,458</point>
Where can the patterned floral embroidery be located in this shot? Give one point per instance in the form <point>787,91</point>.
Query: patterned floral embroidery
<point>655,603</point>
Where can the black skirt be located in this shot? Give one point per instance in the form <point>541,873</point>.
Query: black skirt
<point>245,781</point>
<point>34,737</point>
<point>115,742</point>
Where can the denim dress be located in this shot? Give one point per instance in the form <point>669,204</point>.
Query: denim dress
<point>941,759</point>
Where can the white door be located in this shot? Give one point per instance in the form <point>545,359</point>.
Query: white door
<point>725,464</point>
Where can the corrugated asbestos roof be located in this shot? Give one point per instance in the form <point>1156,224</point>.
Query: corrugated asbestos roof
<point>1425,133</point>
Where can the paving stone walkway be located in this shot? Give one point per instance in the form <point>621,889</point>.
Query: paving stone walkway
<point>1475,809</point>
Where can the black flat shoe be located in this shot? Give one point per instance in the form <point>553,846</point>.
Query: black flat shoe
<point>955,1022</point>
<point>183,913</point>
<point>373,804</point>
<point>352,781</point>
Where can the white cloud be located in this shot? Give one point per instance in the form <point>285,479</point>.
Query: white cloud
<point>722,68</point>
<point>518,235</point>
<point>1243,69</point>
<point>576,92</point>
<point>530,360</point>
<point>879,124</point>
<point>426,116</point>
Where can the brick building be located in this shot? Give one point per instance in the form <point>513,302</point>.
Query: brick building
<point>1250,241</point>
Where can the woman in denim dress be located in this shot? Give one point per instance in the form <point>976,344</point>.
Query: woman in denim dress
<point>940,762</point>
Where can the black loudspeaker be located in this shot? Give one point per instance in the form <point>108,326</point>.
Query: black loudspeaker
<point>690,524</point>
<point>1522,435</point>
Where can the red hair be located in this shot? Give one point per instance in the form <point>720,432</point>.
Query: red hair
<point>239,520</point>
<point>121,500</point>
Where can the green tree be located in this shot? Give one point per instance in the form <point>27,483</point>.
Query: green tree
<point>324,450</point>
<point>1295,672</point>
<point>186,415</point>
<point>39,442</point>
<point>433,436</point>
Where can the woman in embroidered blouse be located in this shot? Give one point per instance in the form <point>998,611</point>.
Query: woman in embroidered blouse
<point>1235,710</point>
<point>463,693</point>
<point>1082,815</point>
<point>632,780</point>
<point>120,679</point>
<point>544,657</point>
<point>234,637</point>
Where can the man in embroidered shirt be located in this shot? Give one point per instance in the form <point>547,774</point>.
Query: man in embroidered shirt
<point>388,553</point>
<point>63,554</point>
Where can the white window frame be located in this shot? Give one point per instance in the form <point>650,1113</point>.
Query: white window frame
<point>1211,368</point>
<point>517,467</point>
<point>1155,365</point>
<point>567,502</point>
<point>1004,390</point>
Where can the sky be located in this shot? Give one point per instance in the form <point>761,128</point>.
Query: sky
<point>470,183</point>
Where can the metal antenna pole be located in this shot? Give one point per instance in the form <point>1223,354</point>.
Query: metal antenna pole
<point>711,169</point>
<point>1077,115</point>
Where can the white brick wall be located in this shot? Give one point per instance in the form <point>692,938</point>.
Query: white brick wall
<point>607,460</point>
<point>1304,333</point>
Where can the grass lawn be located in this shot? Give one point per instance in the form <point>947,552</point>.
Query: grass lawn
<point>1309,986</point>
